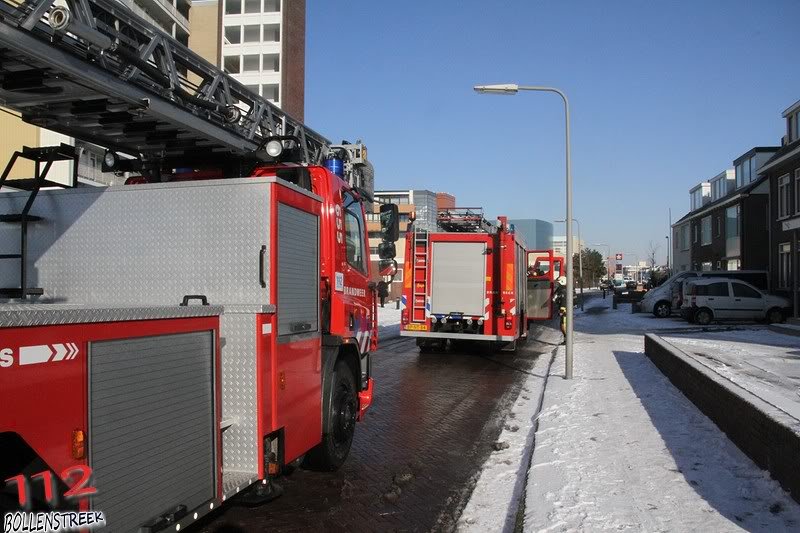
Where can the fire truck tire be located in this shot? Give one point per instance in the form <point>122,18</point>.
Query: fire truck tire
<point>332,452</point>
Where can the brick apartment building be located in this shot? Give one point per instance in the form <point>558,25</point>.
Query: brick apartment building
<point>726,226</point>
<point>782,173</point>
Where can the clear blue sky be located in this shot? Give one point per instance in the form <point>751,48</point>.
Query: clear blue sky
<point>664,95</point>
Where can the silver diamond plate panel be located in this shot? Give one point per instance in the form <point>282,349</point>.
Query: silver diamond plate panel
<point>249,309</point>
<point>145,244</point>
<point>240,440</point>
<point>234,481</point>
<point>23,315</point>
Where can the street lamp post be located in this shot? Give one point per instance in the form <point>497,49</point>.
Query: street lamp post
<point>580,257</point>
<point>513,88</point>
<point>668,249</point>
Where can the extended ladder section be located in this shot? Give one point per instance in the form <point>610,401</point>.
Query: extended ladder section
<point>95,71</point>
<point>420,276</point>
<point>43,159</point>
<point>464,220</point>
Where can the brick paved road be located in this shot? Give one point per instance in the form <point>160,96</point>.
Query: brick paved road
<point>415,457</point>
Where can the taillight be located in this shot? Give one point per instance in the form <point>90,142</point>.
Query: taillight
<point>404,316</point>
<point>135,180</point>
<point>78,444</point>
<point>509,324</point>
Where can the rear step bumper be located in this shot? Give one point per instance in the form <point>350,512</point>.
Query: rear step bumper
<point>465,336</point>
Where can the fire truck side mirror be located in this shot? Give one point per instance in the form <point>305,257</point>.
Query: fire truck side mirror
<point>386,250</point>
<point>390,223</point>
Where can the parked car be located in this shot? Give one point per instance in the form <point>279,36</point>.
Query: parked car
<point>668,297</point>
<point>709,299</point>
<point>619,285</point>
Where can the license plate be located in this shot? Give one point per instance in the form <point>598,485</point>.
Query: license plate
<point>417,327</point>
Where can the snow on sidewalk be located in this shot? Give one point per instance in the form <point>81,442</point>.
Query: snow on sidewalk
<point>619,448</point>
<point>492,506</point>
<point>763,362</point>
<point>388,321</point>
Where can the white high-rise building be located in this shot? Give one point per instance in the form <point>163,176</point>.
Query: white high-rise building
<point>263,47</point>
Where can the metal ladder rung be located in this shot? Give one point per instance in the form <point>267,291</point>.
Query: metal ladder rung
<point>16,292</point>
<point>18,217</point>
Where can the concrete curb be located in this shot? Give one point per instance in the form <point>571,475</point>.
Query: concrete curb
<point>785,329</point>
<point>500,489</point>
<point>769,436</point>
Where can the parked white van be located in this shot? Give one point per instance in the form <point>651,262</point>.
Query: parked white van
<point>666,298</point>
<point>709,299</point>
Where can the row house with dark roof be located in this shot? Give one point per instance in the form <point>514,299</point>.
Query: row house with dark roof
<point>726,225</point>
<point>782,172</point>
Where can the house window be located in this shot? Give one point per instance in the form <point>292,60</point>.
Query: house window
<point>797,191</point>
<point>696,198</point>
<point>719,226</point>
<point>716,189</point>
<point>685,237</point>
<point>746,171</point>
<point>271,63</point>
<point>793,126</point>
<point>739,176</point>
<point>233,7</point>
<point>783,196</point>
<point>272,6</point>
<point>706,266</point>
<point>705,231</point>
<point>232,64</point>
<point>271,91</point>
<point>784,265</point>
<point>733,264</point>
<point>251,33</point>
<point>732,222</point>
<point>233,34</point>
<point>696,230</point>
<point>250,63</point>
<point>252,6</point>
<point>272,32</point>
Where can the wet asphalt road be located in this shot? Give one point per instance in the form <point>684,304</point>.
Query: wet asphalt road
<point>415,457</point>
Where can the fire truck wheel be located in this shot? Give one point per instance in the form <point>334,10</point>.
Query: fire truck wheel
<point>331,453</point>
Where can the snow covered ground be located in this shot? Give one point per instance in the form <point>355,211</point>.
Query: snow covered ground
<point>620,448</point>
<point>494,500</point>
<point>388,321</point>
<point>763,362</point>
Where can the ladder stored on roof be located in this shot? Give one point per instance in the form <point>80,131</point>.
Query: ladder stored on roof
<point>43,159</point>
<point>464,219</point>
<point>96,71</point>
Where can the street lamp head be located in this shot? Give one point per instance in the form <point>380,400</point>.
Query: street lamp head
<point>503,88</point>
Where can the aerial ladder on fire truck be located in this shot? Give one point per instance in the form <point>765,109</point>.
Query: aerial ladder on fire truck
<point>93,70</point>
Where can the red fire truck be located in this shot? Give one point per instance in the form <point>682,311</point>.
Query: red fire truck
<point>168,344</point>
<point>544,268</point>
<point>464,282</point>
